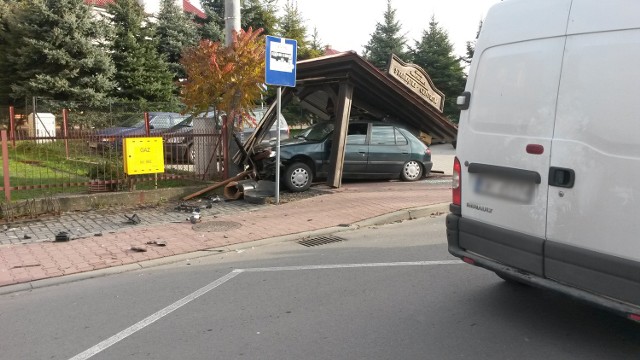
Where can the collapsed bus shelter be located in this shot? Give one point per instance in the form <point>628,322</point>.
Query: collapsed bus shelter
<point>357,89</point>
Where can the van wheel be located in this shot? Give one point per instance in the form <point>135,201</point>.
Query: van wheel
<point>298,177</point>
<point>411,171</point>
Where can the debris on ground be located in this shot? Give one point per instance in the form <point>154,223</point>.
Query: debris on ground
<point>138,248</point>
<point>133,219</point>
<point>187,208</point>
<point>240,176</point>
<point>62,236</point>
<point>157,242</point>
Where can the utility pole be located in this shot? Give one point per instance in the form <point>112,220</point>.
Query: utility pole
<point>231,24</point>
<point>231,19</point>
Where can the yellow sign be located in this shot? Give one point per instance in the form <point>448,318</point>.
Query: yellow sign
<point>417,80</point>
<point>143,155</point>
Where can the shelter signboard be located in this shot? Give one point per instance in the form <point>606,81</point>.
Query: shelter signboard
<point>417,80</point>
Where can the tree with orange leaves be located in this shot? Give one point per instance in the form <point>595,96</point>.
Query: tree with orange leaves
<point>224,78</point>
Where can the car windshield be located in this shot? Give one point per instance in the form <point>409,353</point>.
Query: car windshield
<point>317,132</point>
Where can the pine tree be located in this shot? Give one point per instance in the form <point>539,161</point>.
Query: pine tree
<point>212,27</point>
<point>315,47</point>
<point>386,40</point>
<point>52,49</point>
<point>292,27</point>
<point>434,53</point>
<point>141,73</point>
<point>175,31</point>
<point>260,14</point>
<point>6,47</point>
<point>471,46</point>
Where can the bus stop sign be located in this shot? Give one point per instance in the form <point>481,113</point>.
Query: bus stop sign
<point>281,61</point>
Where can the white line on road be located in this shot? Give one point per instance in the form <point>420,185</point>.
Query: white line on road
<point>155,317</point>
<point>198,293</point>
<point>345,266</point>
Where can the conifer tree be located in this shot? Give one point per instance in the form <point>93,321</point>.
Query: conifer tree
<point>175,32</point>
<point>6,46</point>
<point>434,53</point>
<point>292,27</point>
<point>471,46</point>
<point>212,27</point>
<point>141,73</point>
<point>315,47</point>
<point>260,14</point>
<point>387,39</point>
<point>53,49</point>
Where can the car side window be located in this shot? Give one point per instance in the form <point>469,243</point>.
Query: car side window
<point>357,134</point>
<point>383,135</point>
<point>400,139</point>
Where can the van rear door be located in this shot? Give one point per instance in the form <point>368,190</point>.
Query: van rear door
<point>592,225</point>
<point>505,141</point>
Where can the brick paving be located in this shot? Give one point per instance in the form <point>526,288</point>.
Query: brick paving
<point>24,260</point>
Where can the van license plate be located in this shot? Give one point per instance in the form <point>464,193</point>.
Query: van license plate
<point>517,191</point>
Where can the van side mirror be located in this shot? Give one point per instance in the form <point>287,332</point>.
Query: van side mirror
<point>463,100</point>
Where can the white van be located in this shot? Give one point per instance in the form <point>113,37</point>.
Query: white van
<point>547,174</point>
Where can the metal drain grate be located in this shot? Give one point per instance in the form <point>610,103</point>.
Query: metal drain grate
<point>320,240</point>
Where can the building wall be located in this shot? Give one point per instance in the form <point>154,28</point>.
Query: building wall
<point>153,6</point>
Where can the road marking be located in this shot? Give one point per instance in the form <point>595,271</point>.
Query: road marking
<point>346,266</point>
<point>198,293</point>
<point>155,317</point>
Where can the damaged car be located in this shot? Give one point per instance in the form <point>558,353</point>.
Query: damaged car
<point>374,150</point>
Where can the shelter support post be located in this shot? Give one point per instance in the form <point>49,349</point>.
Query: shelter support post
<point>339,141</point>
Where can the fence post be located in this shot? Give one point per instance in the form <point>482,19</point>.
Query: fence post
<point>147,126</point>
<point>5,165</point>
<point>65,115</point>
<point>12,125</point>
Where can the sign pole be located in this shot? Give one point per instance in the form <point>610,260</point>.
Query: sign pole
<point>279,99</point>
<point>280,70</point>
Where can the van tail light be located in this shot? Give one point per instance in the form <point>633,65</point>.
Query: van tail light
<point>427,151</point>
<point>634,317</point>
<point>456,183</point>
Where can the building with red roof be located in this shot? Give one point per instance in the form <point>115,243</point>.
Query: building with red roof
<point>153,6</point>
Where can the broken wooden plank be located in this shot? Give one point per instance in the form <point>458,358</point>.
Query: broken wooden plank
<point>217,185</point>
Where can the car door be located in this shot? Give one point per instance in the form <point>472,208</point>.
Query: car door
<point>388,151</point>
<point>356,153</point>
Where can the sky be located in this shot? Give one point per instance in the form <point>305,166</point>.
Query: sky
<point>348,24</point>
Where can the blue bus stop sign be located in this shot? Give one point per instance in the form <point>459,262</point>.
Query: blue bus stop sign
<point>281,61</point>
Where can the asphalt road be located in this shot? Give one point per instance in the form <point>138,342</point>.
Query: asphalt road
<point>389,292</point>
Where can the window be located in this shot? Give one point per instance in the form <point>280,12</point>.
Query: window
<point>357,134</point>
<point>383,135</point>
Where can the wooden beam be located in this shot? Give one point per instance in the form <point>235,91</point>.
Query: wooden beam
<point>238,177</point>
<point>339,141</point>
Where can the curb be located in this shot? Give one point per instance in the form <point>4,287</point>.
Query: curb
<point>394,217</point>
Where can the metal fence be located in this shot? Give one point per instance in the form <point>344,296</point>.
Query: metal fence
<point>52,151</point>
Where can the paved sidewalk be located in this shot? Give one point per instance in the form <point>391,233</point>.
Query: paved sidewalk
<point>24,263</point>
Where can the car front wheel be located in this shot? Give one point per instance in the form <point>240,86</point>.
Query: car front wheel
<point>411,171</point>
<point>298,177</point>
